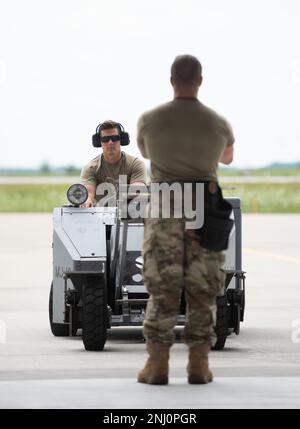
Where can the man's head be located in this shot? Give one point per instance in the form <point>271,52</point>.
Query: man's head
<point>110,135</point>
<point>186,75</point>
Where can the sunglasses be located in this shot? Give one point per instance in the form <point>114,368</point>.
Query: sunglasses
<point>114,138</point>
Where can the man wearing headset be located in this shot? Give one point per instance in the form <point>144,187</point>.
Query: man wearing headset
<point>112,163</point>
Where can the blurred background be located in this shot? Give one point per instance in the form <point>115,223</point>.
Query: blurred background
<point>66,66</point>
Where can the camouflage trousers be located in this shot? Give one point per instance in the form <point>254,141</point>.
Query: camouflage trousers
<point>174,262</point>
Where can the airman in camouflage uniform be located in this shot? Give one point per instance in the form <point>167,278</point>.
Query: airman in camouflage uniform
<point>173,258</point>
<point>184,140</point>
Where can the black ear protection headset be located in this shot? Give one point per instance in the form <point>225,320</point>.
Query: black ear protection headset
<point>124,137</point>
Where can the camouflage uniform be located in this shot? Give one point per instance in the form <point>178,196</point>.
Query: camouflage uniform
<point>173,260</point>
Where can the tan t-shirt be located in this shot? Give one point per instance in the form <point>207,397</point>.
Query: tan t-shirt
<point>184,140</point>
<point>99,171</point>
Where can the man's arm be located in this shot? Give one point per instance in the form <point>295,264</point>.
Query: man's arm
<point>92,194</point>
<point>88,179</point>
<point>141,147</point>
<point>140,139</point>
<point>227,155</point>
<point>138,174</point>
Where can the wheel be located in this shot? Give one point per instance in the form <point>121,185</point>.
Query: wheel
<point>94,313</point>
<point>58,329</point>
<point>221,328</point>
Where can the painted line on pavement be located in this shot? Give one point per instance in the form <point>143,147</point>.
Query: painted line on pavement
<point>271,255</point>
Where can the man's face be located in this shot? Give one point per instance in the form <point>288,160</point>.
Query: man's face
<point>111,148</point>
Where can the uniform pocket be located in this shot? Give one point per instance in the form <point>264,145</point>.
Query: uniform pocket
<point>214,275</point>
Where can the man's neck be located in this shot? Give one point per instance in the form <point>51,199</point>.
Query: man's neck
<point>112,159</point>
<point>185,96</point>
<point>186,92</point>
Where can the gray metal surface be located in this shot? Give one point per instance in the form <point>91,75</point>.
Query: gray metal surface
<point>86,231</point>
<point>79,244</point>
<point>233,255</point>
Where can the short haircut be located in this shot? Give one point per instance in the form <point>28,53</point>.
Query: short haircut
<point>108,125</point>
<point>186,70</point>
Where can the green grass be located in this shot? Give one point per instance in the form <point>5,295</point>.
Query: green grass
<point>32,198</point>
<point>227,172</point>
<point>266,197</point>
<point>256,198</point>
<point>293,170</point>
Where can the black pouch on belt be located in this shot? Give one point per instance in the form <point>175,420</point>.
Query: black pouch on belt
<point>215,232</point>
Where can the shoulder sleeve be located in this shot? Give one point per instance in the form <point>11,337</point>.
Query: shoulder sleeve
<point>230,135</point>
<point>88,174</point>
<point>140,137</point>
<point>138,171</point>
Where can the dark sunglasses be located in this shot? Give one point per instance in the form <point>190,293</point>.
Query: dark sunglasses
<point>114,138</point>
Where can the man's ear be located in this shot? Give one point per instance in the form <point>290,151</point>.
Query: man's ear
<point>172,81</point>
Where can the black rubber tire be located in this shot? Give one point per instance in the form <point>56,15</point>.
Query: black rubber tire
<point>58,329</point>
<point>221,328</point>
<point>94,314</point>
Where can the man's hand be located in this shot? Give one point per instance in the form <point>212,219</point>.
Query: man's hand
<point>89,203</point>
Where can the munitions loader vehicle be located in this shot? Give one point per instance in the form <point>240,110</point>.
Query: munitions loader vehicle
<point>97,273</point>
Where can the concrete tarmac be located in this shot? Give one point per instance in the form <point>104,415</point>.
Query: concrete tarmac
<point>260,368</point>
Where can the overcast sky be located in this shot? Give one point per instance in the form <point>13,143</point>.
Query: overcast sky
<point>66,65</point>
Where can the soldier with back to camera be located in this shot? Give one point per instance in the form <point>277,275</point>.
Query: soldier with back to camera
<point>184,141</point>
<point>112,163</point>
